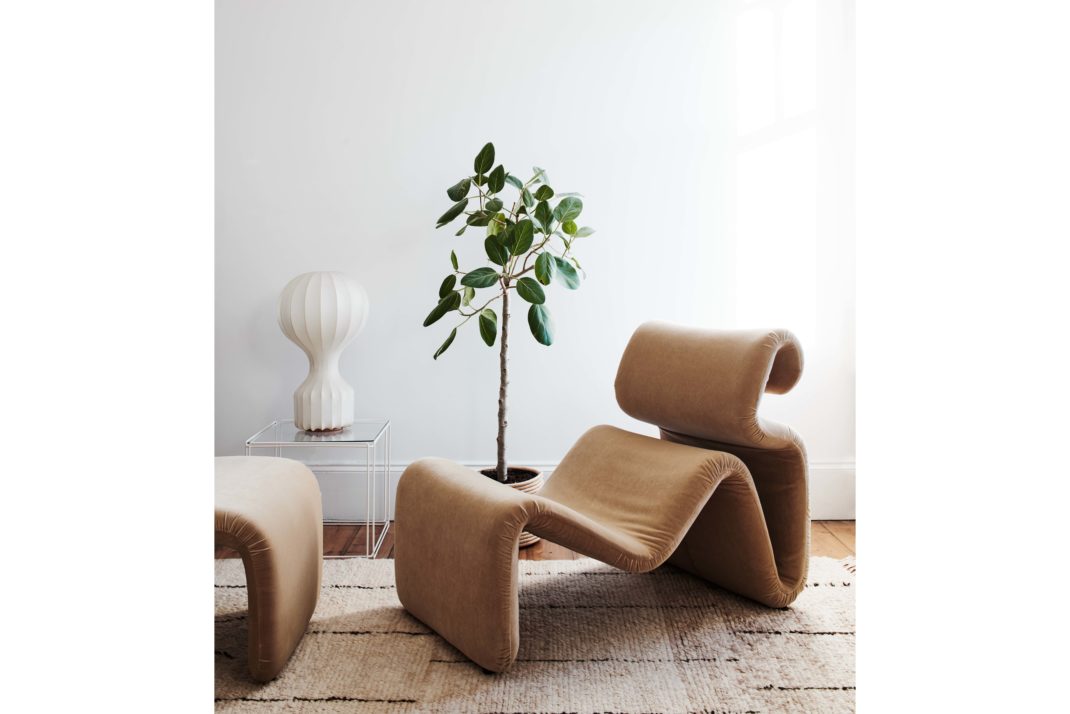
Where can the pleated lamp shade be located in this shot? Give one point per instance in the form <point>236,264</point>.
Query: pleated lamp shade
<point>321,313</point>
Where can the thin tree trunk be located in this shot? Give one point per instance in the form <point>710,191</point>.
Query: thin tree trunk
<point>502,423</point>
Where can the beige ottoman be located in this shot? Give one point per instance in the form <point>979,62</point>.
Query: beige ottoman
<point>270,511</point>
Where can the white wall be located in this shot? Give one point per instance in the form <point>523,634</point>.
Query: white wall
<point>341,123</point>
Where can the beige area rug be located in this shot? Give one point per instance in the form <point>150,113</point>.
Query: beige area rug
<point>593,639</point>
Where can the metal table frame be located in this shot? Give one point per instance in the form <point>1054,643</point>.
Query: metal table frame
<point>373,540</point>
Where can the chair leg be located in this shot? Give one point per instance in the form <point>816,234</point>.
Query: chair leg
<point>270,511</point>
<point>458,574</point>
<point>283,590</point>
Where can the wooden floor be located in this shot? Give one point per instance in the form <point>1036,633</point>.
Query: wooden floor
<point>835,539</point>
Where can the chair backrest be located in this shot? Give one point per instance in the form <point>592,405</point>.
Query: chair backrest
<point>708,384</point>
<point>703,388</point>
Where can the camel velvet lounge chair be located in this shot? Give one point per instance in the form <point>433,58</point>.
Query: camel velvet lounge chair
<point>722,494</point>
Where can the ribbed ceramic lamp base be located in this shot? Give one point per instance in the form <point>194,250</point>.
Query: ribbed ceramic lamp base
<point>324,402</point>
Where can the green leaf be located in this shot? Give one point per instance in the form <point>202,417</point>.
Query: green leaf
<point>468,297</point>
<point>584,232</point>
<point>447,286</point>
<point>461,231</point>
<point>446,345</point>
<point>570,193</point>
<point>569,227</point>
<point>496,226</point>
<point>544,193</point>
<point>543,215</point>
<point>484,159</point>
<point>523,237</point>
<point>488,326</point>
<point>540,174</point>
<point>566,274</point>
<point>479,179</point>
<point>545,268</point>
<point>459,190</point>
<point>447,304</point>
<point>481,278</point>
<point>514,181</point>
<point>453,257</point>
<point>479,218</point>
<point>494,205</point>
<point>497,252</point>
<point>569,209</point>
<point>455,210</point>
<point>530,290</point>
<point>541,324</point>
<point>527,199</point>
<point>496,180</point>
<point>508,237</point>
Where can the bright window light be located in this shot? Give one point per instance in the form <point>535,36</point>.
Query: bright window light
<point>798,57</point>
<point>776,235</point>
<point>755,70</point>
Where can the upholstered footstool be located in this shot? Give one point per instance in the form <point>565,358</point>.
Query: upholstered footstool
<point>270,511</point>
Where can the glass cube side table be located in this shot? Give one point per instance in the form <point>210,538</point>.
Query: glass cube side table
<point>371,435</point>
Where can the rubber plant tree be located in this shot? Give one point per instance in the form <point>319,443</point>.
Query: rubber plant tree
<point>529,244</point>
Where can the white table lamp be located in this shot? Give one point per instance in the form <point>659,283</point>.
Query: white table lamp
<point>321,313</point>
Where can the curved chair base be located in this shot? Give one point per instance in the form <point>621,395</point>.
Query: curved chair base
<point>270,511</point>
<point>624,499</point>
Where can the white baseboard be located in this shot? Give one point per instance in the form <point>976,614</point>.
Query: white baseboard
<point>832,490</point>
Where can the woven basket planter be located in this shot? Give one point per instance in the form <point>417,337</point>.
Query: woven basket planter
<point>531,485</point>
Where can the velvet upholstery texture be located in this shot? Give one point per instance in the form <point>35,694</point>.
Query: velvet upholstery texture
<point>722,494</point>
<point>270,511</point>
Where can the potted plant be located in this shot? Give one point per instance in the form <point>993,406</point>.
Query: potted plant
<point>528,245</point>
